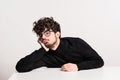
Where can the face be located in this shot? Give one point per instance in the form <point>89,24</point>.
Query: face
<point>49,38</point>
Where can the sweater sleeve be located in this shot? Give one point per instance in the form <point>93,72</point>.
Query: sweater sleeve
<point>30,62</point>
<point>91,59</point>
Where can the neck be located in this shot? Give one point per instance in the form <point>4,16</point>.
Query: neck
<point>55,46</point>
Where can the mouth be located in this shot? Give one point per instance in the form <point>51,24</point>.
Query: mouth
<point>45,41</point>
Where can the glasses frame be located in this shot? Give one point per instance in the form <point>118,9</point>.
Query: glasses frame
<point>45,33</point>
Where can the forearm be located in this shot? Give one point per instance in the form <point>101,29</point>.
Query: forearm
<point>24,66</point>
<point>29,62</point>
<point>91,64</point>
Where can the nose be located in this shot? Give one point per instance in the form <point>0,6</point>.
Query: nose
<point>43,36</point>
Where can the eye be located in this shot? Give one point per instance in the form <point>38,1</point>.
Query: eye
<point>47,33</point>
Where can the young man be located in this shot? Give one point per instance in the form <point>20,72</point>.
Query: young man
<point>71,54</point>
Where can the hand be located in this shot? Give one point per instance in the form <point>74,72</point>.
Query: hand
<point>39,41</point>
<point>69,67</point>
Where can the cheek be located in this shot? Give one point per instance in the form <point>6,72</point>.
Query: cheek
<point>52,38</point>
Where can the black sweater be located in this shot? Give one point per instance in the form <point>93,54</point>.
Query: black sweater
<point>70,50</point>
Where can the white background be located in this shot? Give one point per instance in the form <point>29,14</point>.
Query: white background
<point>95,21</point>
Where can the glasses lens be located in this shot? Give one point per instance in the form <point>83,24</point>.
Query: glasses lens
<point>46,33</point>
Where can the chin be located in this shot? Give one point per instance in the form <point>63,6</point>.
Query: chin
<point>48,45</point>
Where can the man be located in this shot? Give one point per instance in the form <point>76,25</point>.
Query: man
<point>71,54</point>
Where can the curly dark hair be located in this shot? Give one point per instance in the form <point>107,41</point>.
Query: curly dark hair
<point>46,23</point>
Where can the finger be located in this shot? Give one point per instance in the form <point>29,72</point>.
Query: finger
<point>64,70</point>
<point>67,70</point>
<point>39,40</point>
<point>62,67</point>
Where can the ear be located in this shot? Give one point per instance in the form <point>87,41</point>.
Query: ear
<point>58,34</point>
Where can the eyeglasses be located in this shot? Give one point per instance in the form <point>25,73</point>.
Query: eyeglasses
<point>46,33</point>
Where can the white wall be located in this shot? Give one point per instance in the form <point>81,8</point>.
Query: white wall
<point>96,21</point>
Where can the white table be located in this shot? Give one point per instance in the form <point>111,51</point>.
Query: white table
<point>104,73</point>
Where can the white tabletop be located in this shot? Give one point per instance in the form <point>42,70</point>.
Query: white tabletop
<point>104,73</point>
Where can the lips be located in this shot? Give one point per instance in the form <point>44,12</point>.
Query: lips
<point>45,41</point>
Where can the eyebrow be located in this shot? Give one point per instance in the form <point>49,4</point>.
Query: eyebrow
<point>47,30</point>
